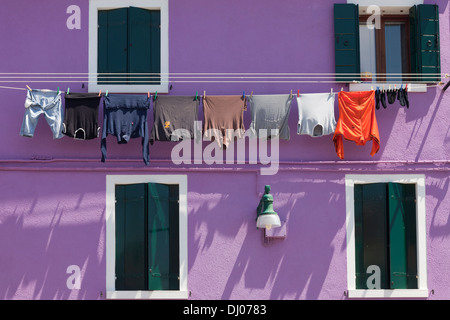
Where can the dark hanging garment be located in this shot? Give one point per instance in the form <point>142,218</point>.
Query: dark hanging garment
<point>125,116</point>
<point>81,116</point>
<point>174,118</point>
<point>383,99</point>
<point>402,97</point>
<point>392,96</point>
<point>377,99</point>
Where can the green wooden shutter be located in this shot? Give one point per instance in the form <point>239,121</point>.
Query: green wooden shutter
<point>144,52</point>
<point>163,237</point>
<point>402,236</point>
<point>425,46</point>
<point>347,51</point>
<point>371,233</point>
<point>131,251</point>
<point>112,45</point>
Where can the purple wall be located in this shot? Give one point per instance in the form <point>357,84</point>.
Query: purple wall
<point>52,192</point>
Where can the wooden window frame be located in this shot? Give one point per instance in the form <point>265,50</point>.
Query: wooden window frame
<point>380,43</point>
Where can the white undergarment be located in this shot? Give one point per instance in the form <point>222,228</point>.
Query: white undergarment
<point>316,114</point>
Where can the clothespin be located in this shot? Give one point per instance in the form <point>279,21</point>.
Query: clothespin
<point>331,92</point>
<point>290,95</point>
<point>298,93</point>
<point>28,88</point>
<point>196,96</point>
<point>243,94</point>
<point>100,93</point>
<point>68,91</point>
<point>156,94</point>
<point>106,92</point>
<point>58,90</point>
<point>148,94</point>
<point>204,94</point>
<point>342,89</point>
<point>406,87</point>
<point>251,94</point>
<point>371,88</point>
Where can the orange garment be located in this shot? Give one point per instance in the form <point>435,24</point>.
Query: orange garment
<point>357,121</point>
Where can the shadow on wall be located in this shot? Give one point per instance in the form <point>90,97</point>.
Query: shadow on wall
<point>38,246</point>
<point>294,268</point>
<point>437,191</point>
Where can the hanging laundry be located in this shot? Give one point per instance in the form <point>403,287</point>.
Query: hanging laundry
<point>316,114</point>
<point>125,116</point>
<point>357,121</point>
<point>377,99</point>
<point>45,102</point>
<point>269,113</point>
<point>391,95</point>
<point>380,96</point>
<point>402,97</point>
<point>224,118</point>
<point>383,98</point>
<point>81,115</point>
<point>174,118</point>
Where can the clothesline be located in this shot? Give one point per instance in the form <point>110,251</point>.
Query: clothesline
<point>216,73</point>
<point>24,89</point>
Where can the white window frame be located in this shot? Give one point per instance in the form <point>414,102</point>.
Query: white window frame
<point>419,181</point>
<point>111,182</point>
<point>94,7</point>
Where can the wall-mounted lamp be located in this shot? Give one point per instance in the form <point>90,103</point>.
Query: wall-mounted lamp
<point>267,218</point>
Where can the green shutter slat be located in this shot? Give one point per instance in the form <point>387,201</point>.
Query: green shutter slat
<point>120,236</point>
<point>425,43</point>
<point>375,230</point>
<point>131,254</point>
<point>360,271</point>
<point>163,237</point>
<point>102,51</point>
<point>347,51</point>
<point>144,45</point>
<point>112,45</point>
<point>402,236</point>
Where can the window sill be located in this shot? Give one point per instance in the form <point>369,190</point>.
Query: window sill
<point>412,87</point>
<point>164,88</point>
<point>397,293</point>
<point>148,295</point>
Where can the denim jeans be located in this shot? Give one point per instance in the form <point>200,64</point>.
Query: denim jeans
<point>42,102</point>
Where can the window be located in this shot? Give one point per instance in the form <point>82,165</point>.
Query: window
<point>386,229</point>
<point>128,46</point>
<point>385,50</point>
<point>385,235</point>
<point>146,237</point>
<point>403,44</point>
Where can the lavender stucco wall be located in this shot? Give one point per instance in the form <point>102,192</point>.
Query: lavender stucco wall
<point>52,212</point>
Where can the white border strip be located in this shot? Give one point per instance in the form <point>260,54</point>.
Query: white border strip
<point>419,181</point>
<point>94,7</point>
<point>111,181</point>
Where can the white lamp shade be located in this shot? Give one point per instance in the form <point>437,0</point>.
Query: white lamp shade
<point>268,221</point>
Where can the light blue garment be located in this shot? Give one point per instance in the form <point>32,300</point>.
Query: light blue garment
<point>45,102</point>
